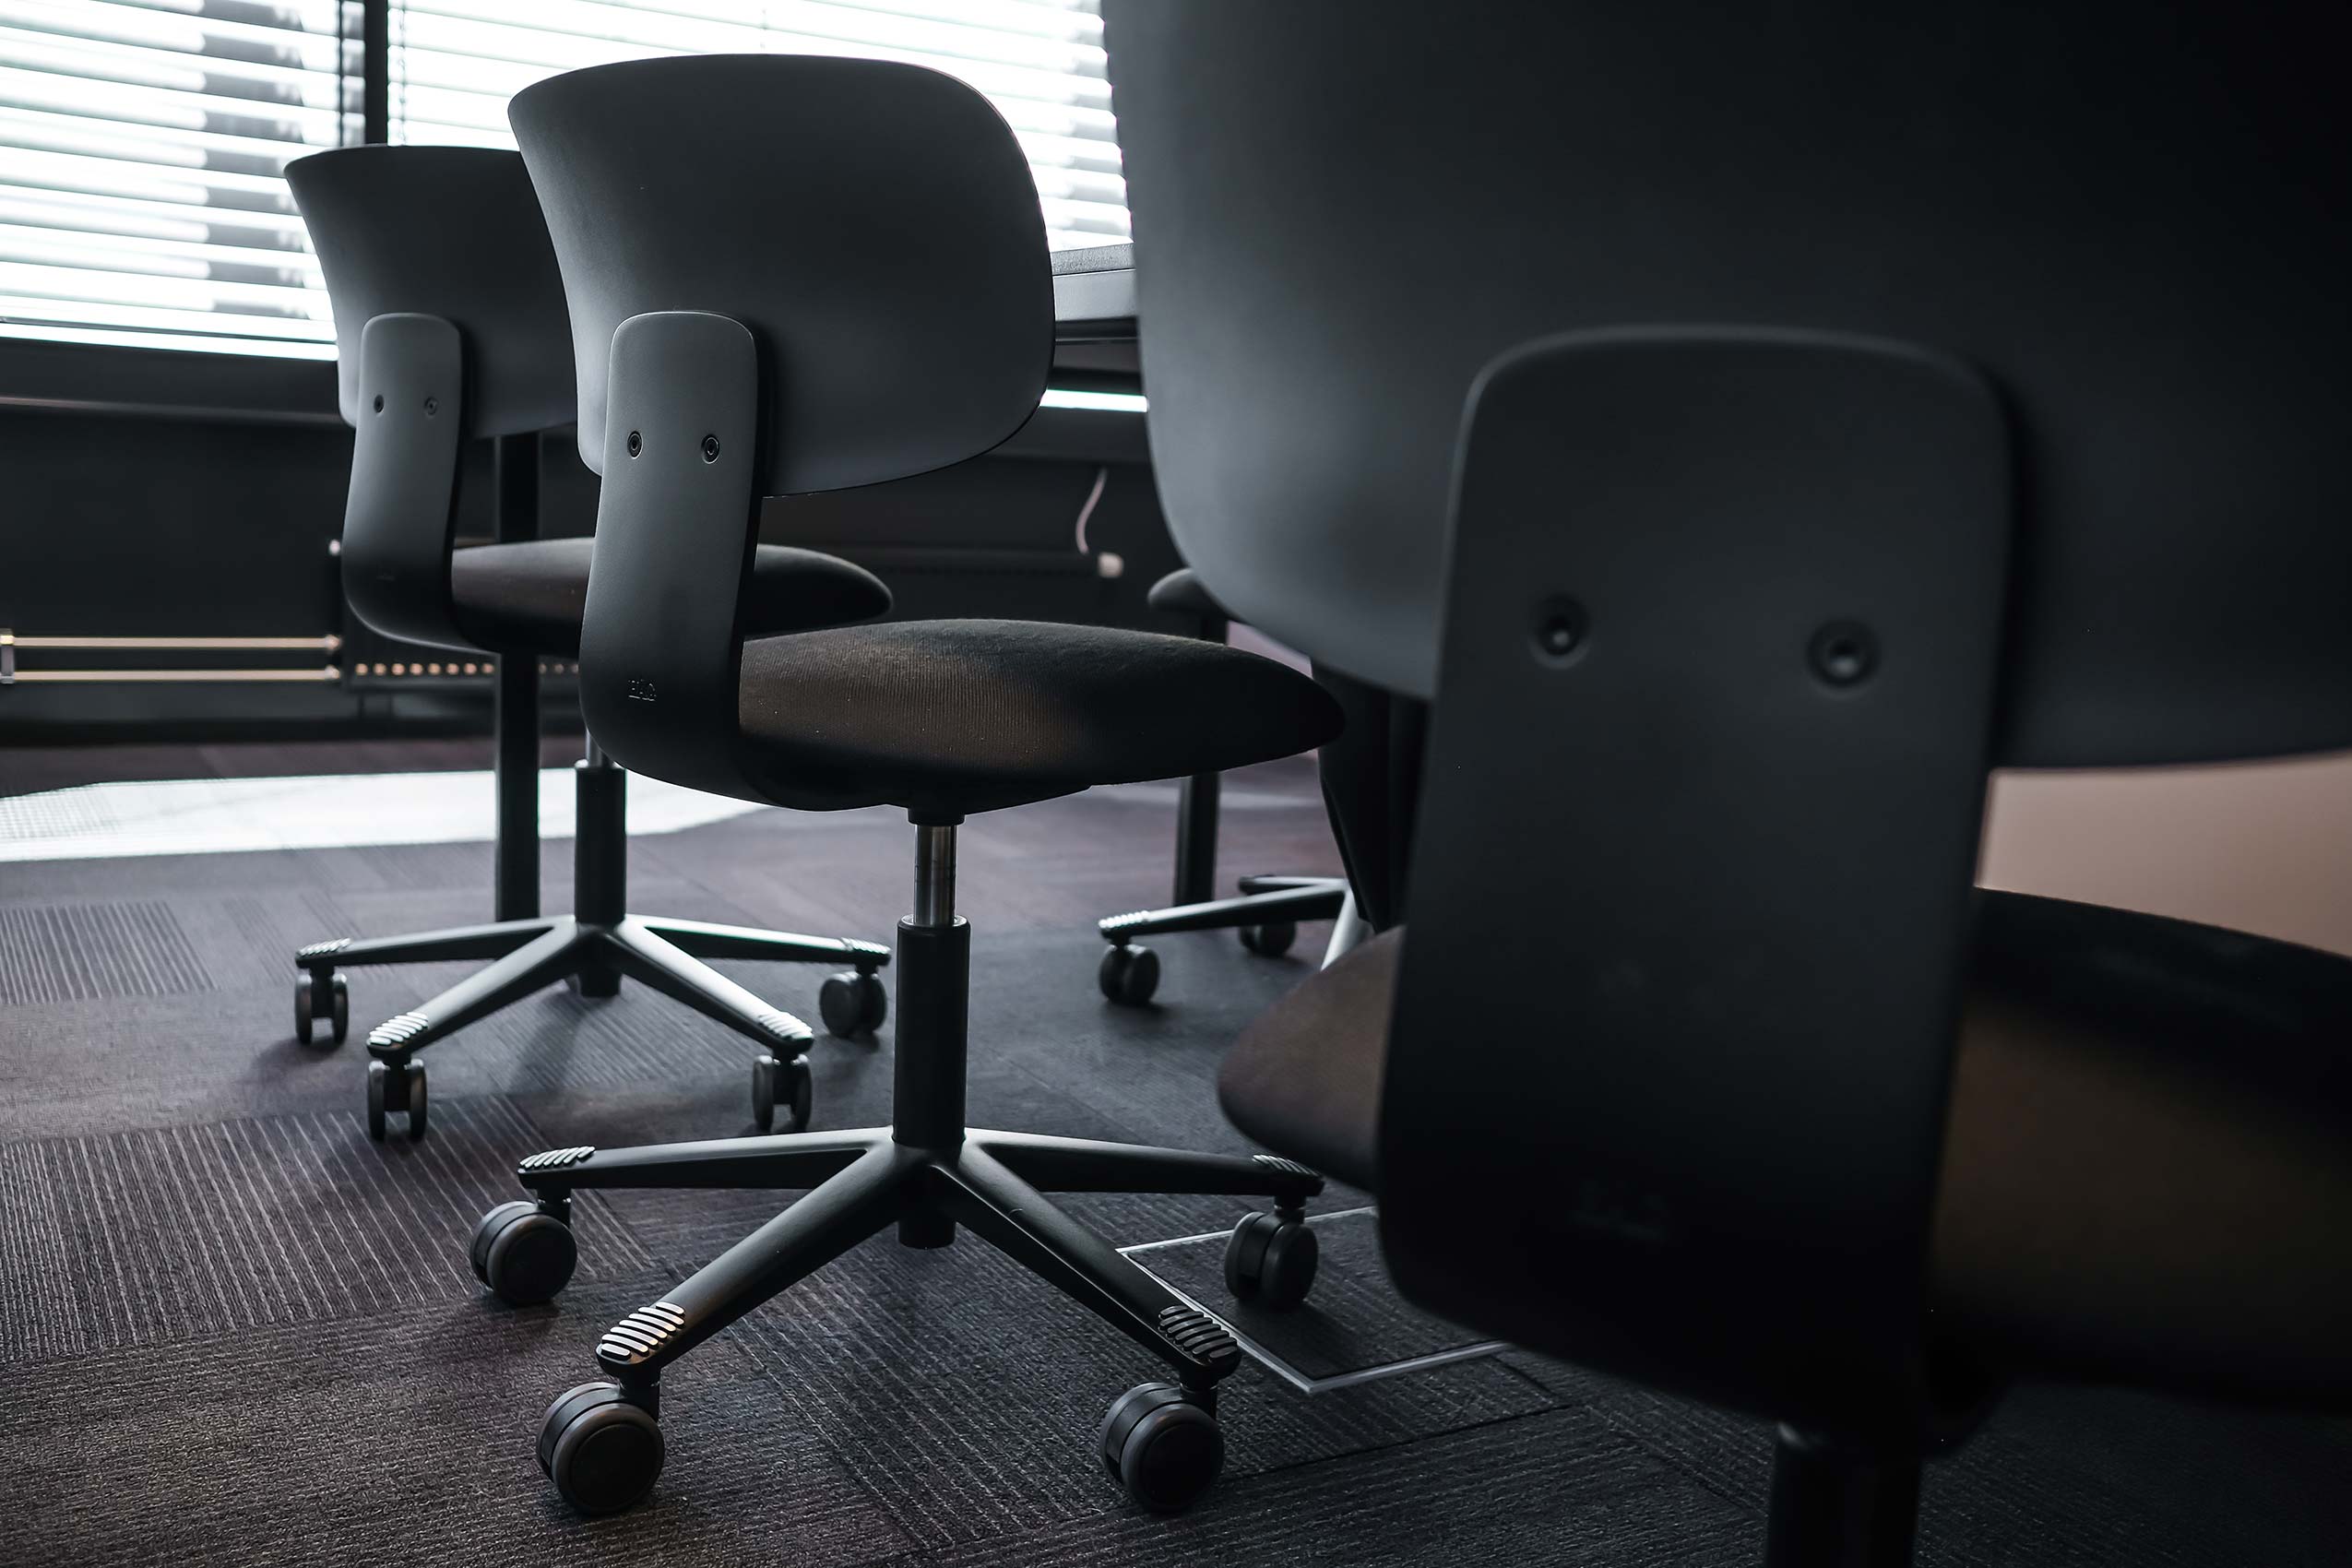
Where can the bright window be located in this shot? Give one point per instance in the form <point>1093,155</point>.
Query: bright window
<point>142,149</point>
<point>143,143</point>
<point>456,63</point>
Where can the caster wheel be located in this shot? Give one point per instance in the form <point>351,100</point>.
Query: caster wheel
<point>525,1256</point>
<point>389,1091</point>
<point>602,1450</point>
<point>1162,1447</point>
<point>775,1082</point>
<point>330,1003</point>
<point>1271,1261</point>
<point>1129,975</point>
<point>853,1003</point>
<point>1271,940</point>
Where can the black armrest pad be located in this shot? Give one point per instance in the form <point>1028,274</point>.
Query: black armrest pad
<point>1181,593</point>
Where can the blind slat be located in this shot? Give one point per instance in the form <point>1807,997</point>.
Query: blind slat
<point>419,101</point>
<point>264,81</point>
<point>197,317</point>
<point>502,28</point>
<point>82,212</point>
<point>130,103</point>
<point>143,252</point>
<point>46,131</point>
<point>179,29</point>
<point>153,182</point>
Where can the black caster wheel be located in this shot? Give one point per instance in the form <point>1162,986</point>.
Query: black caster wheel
<point>602,1450</point>
<point>312,1005</point>
<point>1162,1446</point>
<point>1271,1261</point>
<point>389,1090</point>
<point>1129,975</point>
<point>853,1003</point>
<point>777,1082</point>
<point>1271,940</point>
<point>524,1255</point>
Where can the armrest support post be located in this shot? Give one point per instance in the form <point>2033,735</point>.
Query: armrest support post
<point>1716,681</point>
<point>399,521</point>
<point>661,642</point>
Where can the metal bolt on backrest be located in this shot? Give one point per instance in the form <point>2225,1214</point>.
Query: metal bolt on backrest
<point>1560,627</point>
<point>1844,653</point>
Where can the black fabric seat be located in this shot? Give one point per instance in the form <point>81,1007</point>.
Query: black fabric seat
<point>527,597</point>
<point>949,718</point>
<point>2149,1121</point>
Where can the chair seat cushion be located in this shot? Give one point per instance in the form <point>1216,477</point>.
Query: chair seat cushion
<point>2147,1171</point>
<point>527,597</point>
<point>1305,1077</point>
<point>1181,592</point>
<point>948,717</point>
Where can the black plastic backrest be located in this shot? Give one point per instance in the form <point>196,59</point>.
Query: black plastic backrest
<point>785,274</point>
<point>449,323</point>
<point>1706,764</point>
<point>2134,215</point>
<point>450,231</point>
<point>874,225</point>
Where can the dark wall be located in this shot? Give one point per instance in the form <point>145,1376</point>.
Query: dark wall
<point>118,525</point>
<point>149,492</point>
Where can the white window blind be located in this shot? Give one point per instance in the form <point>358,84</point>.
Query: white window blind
<point>142,151</point>
<point>143,142</point>
<point>456,63</point>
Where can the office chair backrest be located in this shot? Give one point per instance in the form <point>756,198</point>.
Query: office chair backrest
<point>1750,425</point>
<point>892,267</point>
<point>787,274</point>
<point>2134,216</point>
<point>447,232</point>
<point>449,324</point>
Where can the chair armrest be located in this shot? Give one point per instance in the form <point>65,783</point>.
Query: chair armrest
<point>400,519</point>
<point>661,638</point>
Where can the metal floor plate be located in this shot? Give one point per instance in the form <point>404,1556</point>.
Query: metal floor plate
<point>1352,1329</point>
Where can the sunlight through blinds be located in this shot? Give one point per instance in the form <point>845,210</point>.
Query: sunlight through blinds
<point>456,63</point>
<point>142,151</point>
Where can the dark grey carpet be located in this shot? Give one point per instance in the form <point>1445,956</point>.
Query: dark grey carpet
<point>239,1332</point>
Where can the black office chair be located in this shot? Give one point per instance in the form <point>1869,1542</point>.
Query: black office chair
<point>1751,425</point>
<point>1270,907</point>
<point>796,274</point>
<point>450,324</point>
